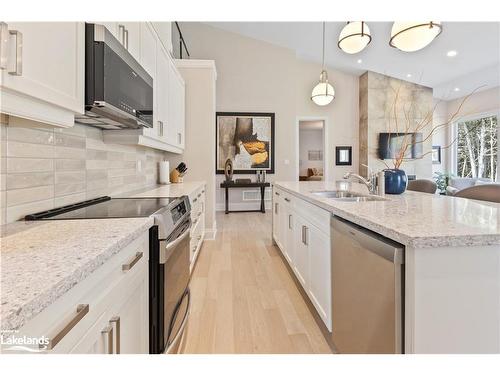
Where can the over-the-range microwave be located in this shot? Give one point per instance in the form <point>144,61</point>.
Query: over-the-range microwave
<point>118,91</point>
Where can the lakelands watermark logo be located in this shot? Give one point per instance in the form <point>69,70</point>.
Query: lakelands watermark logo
<point>11,341</point>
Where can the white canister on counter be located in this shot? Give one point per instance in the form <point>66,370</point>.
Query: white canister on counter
<point>164,175</point>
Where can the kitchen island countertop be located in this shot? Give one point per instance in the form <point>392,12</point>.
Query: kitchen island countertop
<point>414,219</point>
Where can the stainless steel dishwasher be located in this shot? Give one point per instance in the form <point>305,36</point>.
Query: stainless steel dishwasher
<point>367,290</point>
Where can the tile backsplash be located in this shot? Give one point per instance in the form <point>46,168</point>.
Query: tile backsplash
<point>43,167</point>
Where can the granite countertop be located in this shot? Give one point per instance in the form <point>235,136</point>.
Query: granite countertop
<point>414,219</point>
<point>40,261</point>
<point>164,191</point>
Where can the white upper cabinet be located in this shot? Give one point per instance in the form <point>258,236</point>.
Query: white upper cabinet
<point>164,31</point>
<point>129,34</point>
<point>177,100</point>
<point>148,62</point>
<point>162,95</point>
<point>112,28</point>
<point>42,70</point>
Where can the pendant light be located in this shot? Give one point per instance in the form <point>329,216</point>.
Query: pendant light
<point>354,37</point>
<point>323,93</point>
<point>412,36</point>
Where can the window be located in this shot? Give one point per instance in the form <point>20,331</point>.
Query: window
<point>477,147</point>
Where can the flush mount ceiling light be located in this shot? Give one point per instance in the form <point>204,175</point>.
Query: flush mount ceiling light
<point>323,93</point>
<point>354,37</point>
<point>451,53</point>
<point>413,36</point>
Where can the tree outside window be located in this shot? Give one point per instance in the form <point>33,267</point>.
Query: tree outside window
<point>477,148</point>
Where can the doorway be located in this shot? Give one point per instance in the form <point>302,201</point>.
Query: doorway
<point>311,150</point>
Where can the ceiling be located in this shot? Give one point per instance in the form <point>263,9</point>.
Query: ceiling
<point>477,63</point>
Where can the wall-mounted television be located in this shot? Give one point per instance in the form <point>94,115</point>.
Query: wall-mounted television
<point>389,145</point>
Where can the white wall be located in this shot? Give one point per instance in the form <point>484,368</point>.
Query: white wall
<point>256,76</point>
<point>309,139</point>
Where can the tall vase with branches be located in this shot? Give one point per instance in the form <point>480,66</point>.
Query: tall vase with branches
<point>406,126</point>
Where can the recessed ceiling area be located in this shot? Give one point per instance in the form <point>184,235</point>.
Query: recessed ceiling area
<point>474,62</point>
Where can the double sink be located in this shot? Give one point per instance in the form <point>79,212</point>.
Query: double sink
<point>346,196</point>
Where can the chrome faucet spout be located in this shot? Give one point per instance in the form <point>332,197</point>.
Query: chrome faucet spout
<point>370,184</point>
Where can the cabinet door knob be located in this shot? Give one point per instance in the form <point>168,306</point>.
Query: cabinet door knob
<point>81,311</point>
<point>129,265</point>
<point>108,339</point>
<point>115,320</point>
<point>17,70</point>
<point>121,34</point>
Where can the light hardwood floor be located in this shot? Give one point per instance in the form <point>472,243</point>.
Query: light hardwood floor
<point>243,298</point>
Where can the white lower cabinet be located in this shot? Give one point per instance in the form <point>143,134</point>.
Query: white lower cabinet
<point>306,247</point>
<point>301,264</point>
<point>107,312</point>
<point>197,234</point>
<point>320,285</point>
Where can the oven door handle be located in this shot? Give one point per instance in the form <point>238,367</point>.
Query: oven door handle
<point>164,253</point>
<point>172,344</point>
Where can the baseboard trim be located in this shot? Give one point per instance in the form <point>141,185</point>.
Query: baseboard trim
<point>242,206</point>
<point>210,233</point>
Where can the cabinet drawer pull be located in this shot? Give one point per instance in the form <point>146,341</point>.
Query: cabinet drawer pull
<point>125,37</point>
<point>277,193</point>
<point>4,44</point>
<point>304,235</point>
<point>18,63</point>
<point>195,200</point>
<point>276,208</point>
<point>81,311</point>
<point>128,266</point>
<point>121,32</point>
<point>115,320</point>
<point>203,192</point>
<point>108,339</point>
<point>286,199</point>
<point>289,221</point>
<point>199,195</point>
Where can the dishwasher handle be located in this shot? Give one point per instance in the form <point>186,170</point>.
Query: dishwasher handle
<point>371,241</point>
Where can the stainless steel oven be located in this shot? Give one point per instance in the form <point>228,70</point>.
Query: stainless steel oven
<point>118,91</point>
<point>174,259</point>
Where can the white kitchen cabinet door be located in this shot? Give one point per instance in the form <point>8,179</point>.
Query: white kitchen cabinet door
<point>176,116</point>
<point>129,317</point>
<point>164,31</point>
<point>319,286</point>
<point>45,65</point>
<point>148,62</point>
<point>112,28</point>
<point>300,265</point>
<point>148,48</point>
<point>276,219</point>
<point>96,340</point>
<point>129,34</point>
<point>289,235</point>
<point>162,95</point>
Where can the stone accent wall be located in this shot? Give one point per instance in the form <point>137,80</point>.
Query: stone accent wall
<point>43,167</point>
<point>376,110</point>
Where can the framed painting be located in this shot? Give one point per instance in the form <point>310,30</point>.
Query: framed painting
<point>247,138</point>
<point>343,155</point>
<point>436,154</point>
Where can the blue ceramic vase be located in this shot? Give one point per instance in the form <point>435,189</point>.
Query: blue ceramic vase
<point>395,181</point>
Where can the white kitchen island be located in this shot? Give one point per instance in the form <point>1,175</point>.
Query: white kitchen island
<point>452,261</point>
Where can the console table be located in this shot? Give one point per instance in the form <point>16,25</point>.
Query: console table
<point>230,185</point>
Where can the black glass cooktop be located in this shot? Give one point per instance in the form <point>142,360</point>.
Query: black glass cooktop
<point>105,208</point>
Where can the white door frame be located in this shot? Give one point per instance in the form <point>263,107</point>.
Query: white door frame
<point>325,144</point>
